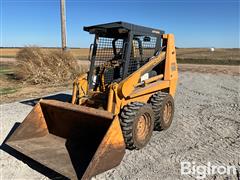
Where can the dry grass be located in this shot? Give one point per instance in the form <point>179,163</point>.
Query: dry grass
<point>41,66</point>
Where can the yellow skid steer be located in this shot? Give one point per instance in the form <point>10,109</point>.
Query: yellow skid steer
<point>126,94</point>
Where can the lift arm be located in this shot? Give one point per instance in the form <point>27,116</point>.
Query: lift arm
<point>128,85</point>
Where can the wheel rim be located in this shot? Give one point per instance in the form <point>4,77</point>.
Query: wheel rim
<point>167,112</point>
<point>143,126</point>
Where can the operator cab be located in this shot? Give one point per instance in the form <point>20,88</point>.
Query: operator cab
<point>119,49</point>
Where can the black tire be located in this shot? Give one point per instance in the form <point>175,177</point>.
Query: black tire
<point>137,123</point>
<point>159,101</point>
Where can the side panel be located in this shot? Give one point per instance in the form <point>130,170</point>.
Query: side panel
<point>109,153</point>
<point>171,69</point>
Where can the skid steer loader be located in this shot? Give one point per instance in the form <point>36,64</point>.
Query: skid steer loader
<point>126,94</point>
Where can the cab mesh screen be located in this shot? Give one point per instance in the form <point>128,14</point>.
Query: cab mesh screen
<point>141,52</point>
<point>105,50</point>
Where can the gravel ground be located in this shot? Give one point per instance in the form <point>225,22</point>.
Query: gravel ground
<point>206,128</point>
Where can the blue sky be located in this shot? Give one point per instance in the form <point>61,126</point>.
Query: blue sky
<point>202,23</point>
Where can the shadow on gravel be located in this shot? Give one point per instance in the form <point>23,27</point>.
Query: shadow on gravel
<point>60,97</point>
<point>30,162</point>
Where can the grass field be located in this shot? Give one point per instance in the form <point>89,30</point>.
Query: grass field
<point>184,55</point>
<point>6,88</point>
<point>205,56</point>
<point>10,87</point>
<point>81,53</point>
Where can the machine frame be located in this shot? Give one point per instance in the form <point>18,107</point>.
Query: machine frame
<point>89,136</point>
<point>130,89</point>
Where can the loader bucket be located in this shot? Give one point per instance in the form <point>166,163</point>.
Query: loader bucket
<point>75,141</point>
